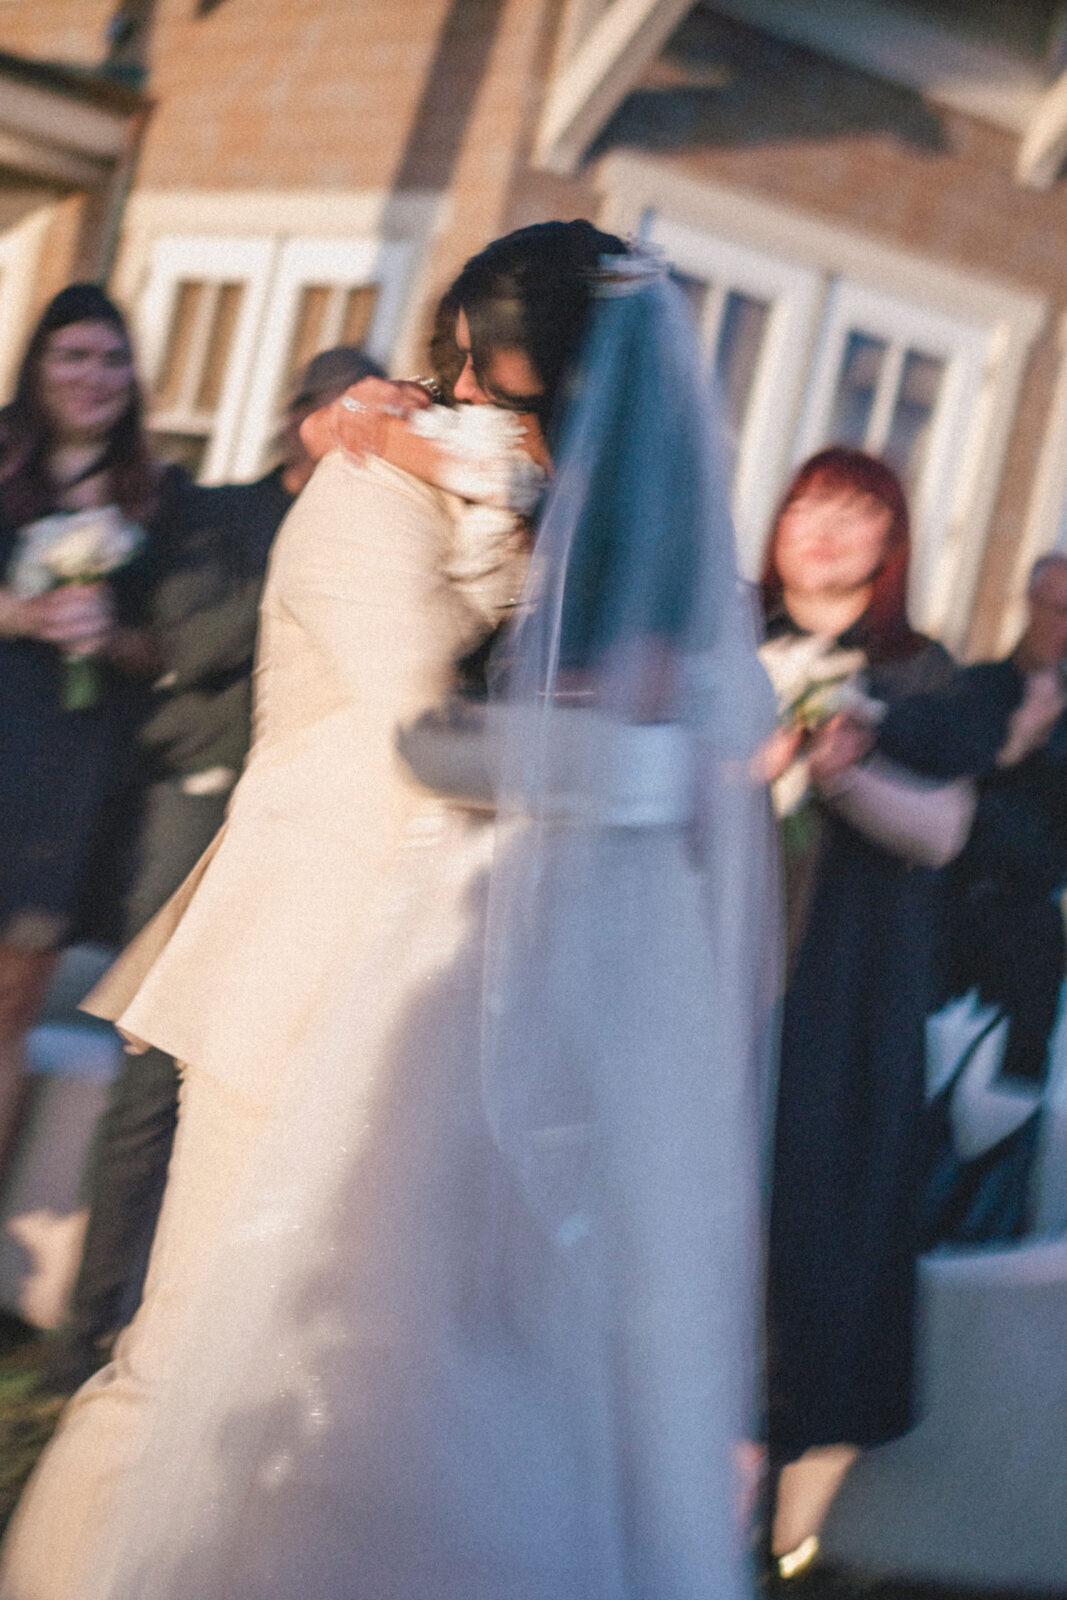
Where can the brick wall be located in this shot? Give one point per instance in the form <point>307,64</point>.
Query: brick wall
<point>71,32</point>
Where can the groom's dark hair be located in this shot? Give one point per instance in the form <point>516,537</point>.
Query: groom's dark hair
<point>532,290</point>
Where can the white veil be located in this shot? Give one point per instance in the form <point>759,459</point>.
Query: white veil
<point>584,1338</point>
<point>633,617</point>
<point>632,954</point>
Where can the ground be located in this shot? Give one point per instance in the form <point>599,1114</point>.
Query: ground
<point>28,1414</point>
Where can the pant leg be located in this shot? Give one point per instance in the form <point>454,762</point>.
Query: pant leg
<point>68,1504</point>
<point>126,1179</point>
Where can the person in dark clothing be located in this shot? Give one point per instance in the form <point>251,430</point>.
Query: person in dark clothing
<point>843,1238</point>
<point>75,658</point>
<point>1002,929</point>
<point>194,741</point>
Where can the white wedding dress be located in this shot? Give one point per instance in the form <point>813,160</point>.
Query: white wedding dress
<point>416,1365</point>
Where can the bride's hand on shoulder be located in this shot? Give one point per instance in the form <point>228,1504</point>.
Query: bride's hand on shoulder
<point>358,421</point>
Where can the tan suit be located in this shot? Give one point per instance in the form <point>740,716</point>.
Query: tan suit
<point>358,627</point>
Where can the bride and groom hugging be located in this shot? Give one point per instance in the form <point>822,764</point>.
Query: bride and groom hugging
<point>453,1288</point>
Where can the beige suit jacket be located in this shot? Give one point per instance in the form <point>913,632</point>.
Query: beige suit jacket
<point>358,630</point>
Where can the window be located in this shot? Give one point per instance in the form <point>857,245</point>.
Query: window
<point>20,253</point>
<point>816,335</point>
<point>226,324</point>
<point>805,359</point>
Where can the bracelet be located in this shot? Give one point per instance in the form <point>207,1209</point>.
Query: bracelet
<point>432,387</point>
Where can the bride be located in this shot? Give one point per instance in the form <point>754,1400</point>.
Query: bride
<point>452,1294</point>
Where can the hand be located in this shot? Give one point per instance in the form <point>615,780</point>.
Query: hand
<point>77,618</point>
<point>835,747</point>
<point>1043,703</point>
<point>359,431</point>
<point>534,442</point>
<point>777,754</point>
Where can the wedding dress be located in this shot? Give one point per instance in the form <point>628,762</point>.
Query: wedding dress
<point>479,1324</point>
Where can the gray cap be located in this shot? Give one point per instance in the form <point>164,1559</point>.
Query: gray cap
<point>331,372</point>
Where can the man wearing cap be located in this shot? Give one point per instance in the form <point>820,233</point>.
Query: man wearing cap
<point>194,741</point>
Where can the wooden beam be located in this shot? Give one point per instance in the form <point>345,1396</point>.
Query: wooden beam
<point>876,36</point>
<point>1044,145</point>
<point>48,163</point>
<point>602,70</point>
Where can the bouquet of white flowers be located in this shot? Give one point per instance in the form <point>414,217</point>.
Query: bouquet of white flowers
<point>73,547</point>
<point>813,680</point>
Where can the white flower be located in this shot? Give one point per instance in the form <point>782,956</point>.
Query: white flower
<point>797,664</point>
<point>813,680</point>
<point>72,547</point>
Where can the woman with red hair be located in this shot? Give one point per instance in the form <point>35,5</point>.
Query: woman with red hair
<point>846,1188</point>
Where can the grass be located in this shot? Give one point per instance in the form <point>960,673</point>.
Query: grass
<point>28,1413</point>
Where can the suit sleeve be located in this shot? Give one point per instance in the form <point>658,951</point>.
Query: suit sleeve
<point>359,566</point>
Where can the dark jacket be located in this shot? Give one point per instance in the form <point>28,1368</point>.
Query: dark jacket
<point>205,618</point>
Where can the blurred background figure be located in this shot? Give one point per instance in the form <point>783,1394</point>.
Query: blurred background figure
<point>194,741</point>
<point>1004,950</point>
<point>83,517</point>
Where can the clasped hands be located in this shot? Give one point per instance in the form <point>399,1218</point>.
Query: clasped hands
<point>830,750</point>
<point>359,428</point>
<point>78,618</point>
<point>1043,702</point>
<point>360,422</point>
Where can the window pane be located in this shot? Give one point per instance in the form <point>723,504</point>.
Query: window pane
<point>219,343</point>
<point>309,333</point>
<point>180,345</point>
<point>741,333</point>
<point>909,431</point>
<point>857,384</point>
<point>359,313</point>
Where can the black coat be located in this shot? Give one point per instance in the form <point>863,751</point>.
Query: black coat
<point>204,617</point>
<point>1002,927</point>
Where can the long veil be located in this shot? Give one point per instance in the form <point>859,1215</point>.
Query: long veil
<point>485,1322</point>
<point>630,1006</point>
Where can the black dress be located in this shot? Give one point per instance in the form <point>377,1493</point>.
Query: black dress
<point>843,1239</point>
<point>68,778</point>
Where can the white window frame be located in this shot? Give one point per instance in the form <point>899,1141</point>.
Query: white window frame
<point>639,191</point>
<point>297,263</point>
<point>20,254</point>
<point>272,237</point>
<point>964,347</point>
<point>201,259</point>
<point>794,295</point>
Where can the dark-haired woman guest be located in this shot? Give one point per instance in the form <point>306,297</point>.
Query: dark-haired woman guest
<point>843,1232</point>
<point>77,492</point>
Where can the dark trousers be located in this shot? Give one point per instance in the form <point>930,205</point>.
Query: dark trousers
<point>128,1168</point>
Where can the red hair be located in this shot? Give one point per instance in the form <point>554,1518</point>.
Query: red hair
<point>840,470</point>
